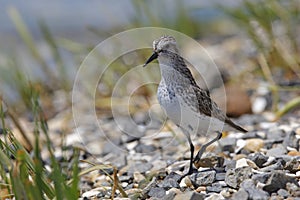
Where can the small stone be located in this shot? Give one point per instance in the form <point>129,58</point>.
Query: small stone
<point>291,140</point>
<point>203,178</point>
<point>276,134</point>
<point>259,104</point>
<point>133,191</point>
<point>258,158</point>
<point>227,192</point>
<point>190,195</point>
<point>215,196</point>
<point>220,176</point>
<point>143,148</point>
<point>294,153</point>
<point>170,181</point>
<point>90,194</point>
<point>284,193</point>
<point>241,163</point>
<point>210,161</point>
<point>234,177</point>
<point>201,189</point>
<point>254,144</point>
<point>253,192</point>
<point>276,152</point>
<point>293,165</point>
<point>278,180</point>
<point>187,181</point>
<point>101,194</point>
<point>240,144</point>
<point>293,189</point>
<point>227,144</point>
<point>157,192</point>
<point>112,146</point>
<point>252,164</point>
<point>159,165</point>
<point>240,195</point>
<point>229,164</point>
<point>138,177</point>
<point>171,194</point>
<point>125,178</point>
<point>262,178</point>
<point>140,167</point>
<point>249,135</point>
<point>141,118</point>
<point>215,187</point>
<point>119,160</point>
<point>276,166</point>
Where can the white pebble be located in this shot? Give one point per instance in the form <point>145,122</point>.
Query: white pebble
<point>259,105</point>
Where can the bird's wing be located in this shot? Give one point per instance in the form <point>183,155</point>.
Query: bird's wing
<point>208,107</point>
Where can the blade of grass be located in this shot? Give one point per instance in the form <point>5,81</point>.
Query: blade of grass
<point>294,103</point>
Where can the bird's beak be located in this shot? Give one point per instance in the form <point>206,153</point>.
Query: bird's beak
<point>152,57</point>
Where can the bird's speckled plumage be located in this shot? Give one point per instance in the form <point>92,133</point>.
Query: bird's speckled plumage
<point>185,103</point>
<point>178,82</point>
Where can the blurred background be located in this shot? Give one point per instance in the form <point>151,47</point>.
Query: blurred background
<point>255,44</point>
<point>44,42</point>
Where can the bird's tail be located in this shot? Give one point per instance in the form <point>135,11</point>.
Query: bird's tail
<point>237,127</point>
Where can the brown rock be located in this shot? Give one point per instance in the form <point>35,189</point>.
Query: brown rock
<point>236,101</point>
<point>254,144</point>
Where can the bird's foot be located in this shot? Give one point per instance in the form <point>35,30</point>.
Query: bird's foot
<point>191,171</point>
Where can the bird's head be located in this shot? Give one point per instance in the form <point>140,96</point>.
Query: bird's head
<point>163,46</point>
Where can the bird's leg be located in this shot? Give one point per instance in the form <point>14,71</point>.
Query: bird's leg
<point>191,169</point>
<point>203,148</point>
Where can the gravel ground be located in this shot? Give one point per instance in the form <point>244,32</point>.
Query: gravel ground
<point>261,164</point>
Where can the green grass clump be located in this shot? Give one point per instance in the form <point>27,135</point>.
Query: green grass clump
<point>24,176</point>
<point>273,28</point>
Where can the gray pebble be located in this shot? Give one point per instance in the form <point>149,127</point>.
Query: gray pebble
<point>234,177</point>
<point>170,181</point>
<point>258,158</point>
<point>250,134</point>
<point>140,167</point>
<point>141,118</point>
<point>157,192</point>
<point>284,193</point>
<point>252,119</point>
<point>262,178</point>
<point>227,144</point>
<point>293,165</point>
<point>215,187</point>
<point>291,140</point>
<point>278,151</point>
<point>203,178</point>
<point>276,134</point>
<point>125,178</point>
<point>278,180</point>
<point>293,189</point>
<point>112,146</point>
<point>276,166</point>
<point>191,195</point>
<point>119,160</point>
<point>240,195</point>
<point>229,164</point>
<point>170,196</point>
<point>220,176</point>
<point>253,192</point>
<point>143,148</point>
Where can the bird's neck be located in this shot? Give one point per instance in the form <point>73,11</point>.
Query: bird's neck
<point>170,68</point>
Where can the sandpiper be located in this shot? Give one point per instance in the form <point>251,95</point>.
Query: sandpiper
<point>184,102</point>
